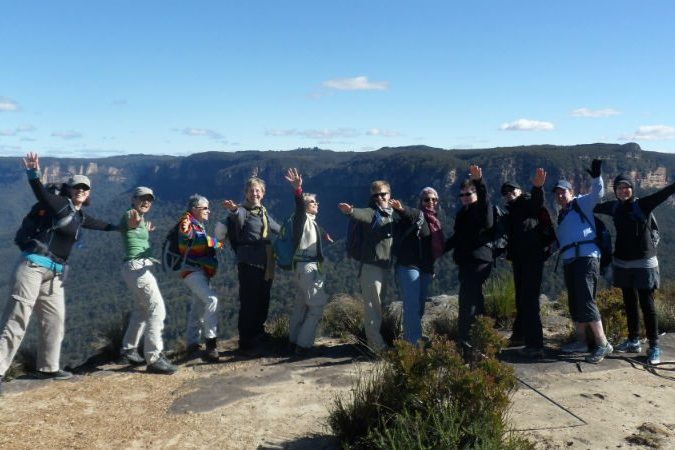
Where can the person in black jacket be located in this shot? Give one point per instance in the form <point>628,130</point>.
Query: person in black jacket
<point>525,250</point>
<point>308,276</point>
<point>635,264</point>
<point>418,242</point>
<point>39,276</point>
<point>472,253</point>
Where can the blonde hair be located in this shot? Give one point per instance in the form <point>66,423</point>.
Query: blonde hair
<point>255,181</point>
<point>376,185</point>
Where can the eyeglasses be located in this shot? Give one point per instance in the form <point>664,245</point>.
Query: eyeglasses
<point>80,187</point>
<point>312,202</point>
<point>430,200</point>
<point>203,208</point>
<point>381,194</point>
<point>466,194</point>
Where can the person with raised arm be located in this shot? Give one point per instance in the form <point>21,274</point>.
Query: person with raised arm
<point>249,229</point>
<point>38,282</point>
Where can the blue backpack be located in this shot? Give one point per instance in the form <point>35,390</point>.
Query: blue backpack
<point>283,245</point>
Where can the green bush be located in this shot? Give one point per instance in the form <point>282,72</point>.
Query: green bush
<point>610,305</point>
<point>279,328</point>
<point>429,399</point>
<point>665,307</point>
<point>443,325</point>
<point>500,298</point>
<point>343,317</point>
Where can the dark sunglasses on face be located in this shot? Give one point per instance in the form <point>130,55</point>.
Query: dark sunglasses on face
<point>430,200</point>
<point>81,187</point>
<point>380,194</point>
<point>466,194</point>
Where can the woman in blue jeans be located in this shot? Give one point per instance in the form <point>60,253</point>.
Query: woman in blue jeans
<point>418,242</point>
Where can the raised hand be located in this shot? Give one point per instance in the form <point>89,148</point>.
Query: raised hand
<point>230,205</point>
<point>539,177</point>
<point>149,226</point>
<point>475,172</point>
<point>346,208</point>
<point>293,177</point>
<point>396,204</point>
<point>596,168</point>
<point>31,161</point>
<point>134,219</point>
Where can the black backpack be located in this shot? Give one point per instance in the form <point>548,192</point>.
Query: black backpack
<point>172,260</point>
<point>38,226</point>
<point>649,222</point>
<point>499,234</point>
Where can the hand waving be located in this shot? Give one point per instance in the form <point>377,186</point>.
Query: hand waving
<point>31,161</point>
<point>293,177</point>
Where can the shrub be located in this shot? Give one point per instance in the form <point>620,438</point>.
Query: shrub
<point>279,328</point>
<point>610,305</point>
<point>665,307</point>
<point>392,327</point>
<point>500,298</point>
<point>343,317</point>
<point>429,398</point>
<point>443,325</point>
<point>108,341</point>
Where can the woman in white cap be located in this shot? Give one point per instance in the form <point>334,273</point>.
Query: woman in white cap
<point>46,237</point>
<point>147,317</point>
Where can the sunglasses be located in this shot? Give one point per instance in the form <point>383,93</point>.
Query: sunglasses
<point>203,208</point>
<point>381,194</point>
<point>466,194</point>
<point>81,187</point>
<point>313,202</point>
<point>430,200</point>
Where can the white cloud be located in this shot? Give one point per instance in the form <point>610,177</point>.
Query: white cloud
<point>205,132</point>
<point>27,128</point>
<point>527,125</point>
<point>316,134</point>
<point>382,132</point>
<point>67,134</point>
<point>7,132</point>
<point>119,102</point>
<point>586,112</point>
<point>651,133</point>
<point>360,83</point>
<point>7,104</point>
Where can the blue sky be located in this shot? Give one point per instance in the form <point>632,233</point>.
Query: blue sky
<point>99,78</point>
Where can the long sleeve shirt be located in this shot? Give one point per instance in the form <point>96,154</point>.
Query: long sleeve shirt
<point>573,228</point>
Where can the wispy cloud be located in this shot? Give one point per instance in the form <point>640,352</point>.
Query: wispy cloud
<point>360,83</point>
<point>587,112</point>
<point>119,102</point>
<point>7,132</point>
<point>382,132</point>
<point>7,104</point>
<point>67,134</point>
<point>651,133</point>
<point>17,130</point>
<point>202,132</point>
<point>527,125</point>
<point>315,134</point>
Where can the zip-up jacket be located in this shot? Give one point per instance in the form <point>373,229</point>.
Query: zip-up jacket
<point>413,249</point>
<point>378,235</point>
<point>525,242</point>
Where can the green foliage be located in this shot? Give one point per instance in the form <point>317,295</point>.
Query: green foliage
<point>665,307</point>
<point>610,305</point>
<point>443,325</point>
<point>278,327</point>
<point>500,298</point>
<point>343,317</point>
<point>429,398</point>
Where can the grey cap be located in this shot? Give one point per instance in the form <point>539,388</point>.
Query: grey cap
<point>79,179</point>
<point>562,184</point>
<point>140,191</point>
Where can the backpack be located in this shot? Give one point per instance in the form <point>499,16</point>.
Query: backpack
<point>37,227</point>
<point>498,233</point>
<point>603,238</point>
<point>650,222</point>
<point>283,245</point>
<point>172,260</point>
<point>547,232</point>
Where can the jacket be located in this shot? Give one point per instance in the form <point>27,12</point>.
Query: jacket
<point>299,220</point>
<point>378,235</point>
<point>413,246</point>
<point>245,233</point>
<point>572,228</point>
<point>525,241</point>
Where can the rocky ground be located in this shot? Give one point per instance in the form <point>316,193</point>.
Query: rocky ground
<point>278,402</point>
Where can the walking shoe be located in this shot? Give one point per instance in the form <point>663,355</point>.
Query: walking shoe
<point>532,352</point>
<point>131,357</point>
<point>653,355</point>
<point>162,366</point>
<point>629,346</point>
<point>574,347</point>
<point>58,375</point>
<point>210,353</point>
<point>599,353</point>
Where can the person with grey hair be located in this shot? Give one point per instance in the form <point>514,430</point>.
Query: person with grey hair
<point>418,242</point>
<point>45,239</point>
<point>199,250</point>
<point>249,229</point>
<point>148,314</point>
<point>310,297</point>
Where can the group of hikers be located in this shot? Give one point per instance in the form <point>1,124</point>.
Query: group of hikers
<point>390,234</point>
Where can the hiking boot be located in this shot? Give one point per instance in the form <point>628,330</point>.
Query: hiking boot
<point>654,355</point>
<point>58,375</point>
<point>599,353</point>
<point>629,346</point>
<point>210,353</point>
<point>532,352</point>
<point>162,366</point>
<point>574,347</point>
<point>131,357</point>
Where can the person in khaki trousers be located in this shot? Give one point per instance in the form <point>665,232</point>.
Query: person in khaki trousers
<point>38,281</point>
<point>147,317</point>
<point>376,260</point>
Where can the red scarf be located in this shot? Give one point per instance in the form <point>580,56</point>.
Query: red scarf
<point>437,236</point>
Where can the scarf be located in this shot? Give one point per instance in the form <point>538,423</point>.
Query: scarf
<point>255,210</point>
<point>437,236</point>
